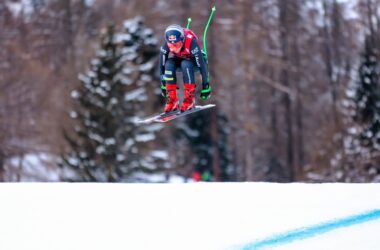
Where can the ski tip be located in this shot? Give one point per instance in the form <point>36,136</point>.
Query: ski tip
<point>206,106</point>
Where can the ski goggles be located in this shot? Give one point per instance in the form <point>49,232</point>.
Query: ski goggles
<point>175,46</point>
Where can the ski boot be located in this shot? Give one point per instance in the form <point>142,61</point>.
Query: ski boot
<point>172,100</point>
<point>189,99</point>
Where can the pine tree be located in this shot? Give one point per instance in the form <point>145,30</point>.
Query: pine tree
<point>107,144</point>
<point>196,130</point>
<point>367,99</point>
<point>225,156</point>
<point>362,140</point>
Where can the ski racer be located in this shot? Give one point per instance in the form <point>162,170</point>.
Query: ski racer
<point>181,52</point>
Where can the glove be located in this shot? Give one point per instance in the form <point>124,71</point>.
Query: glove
<point>206,91</point>
<point>164,93</point>
<point>163,87</point>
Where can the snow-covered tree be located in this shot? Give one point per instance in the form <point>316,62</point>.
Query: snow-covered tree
<point>107,144</point>
<point>362,143</point>
<point>205,144</point>
<point>367,99</point>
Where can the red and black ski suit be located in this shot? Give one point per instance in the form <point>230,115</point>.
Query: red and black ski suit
<point>189,60</point>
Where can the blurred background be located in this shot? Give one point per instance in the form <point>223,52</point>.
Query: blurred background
<point>295,83</point>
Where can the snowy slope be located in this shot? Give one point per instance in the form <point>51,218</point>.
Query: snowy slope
<point>189,216</point>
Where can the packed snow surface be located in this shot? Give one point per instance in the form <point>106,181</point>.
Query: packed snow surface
<point>193,216</point>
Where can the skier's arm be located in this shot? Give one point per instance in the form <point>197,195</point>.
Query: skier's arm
<point>201,63</point>
<point>164,53</point>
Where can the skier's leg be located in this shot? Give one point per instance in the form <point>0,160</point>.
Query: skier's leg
<point>171,86</point>
<point>187,67</point>
<point>170,71</point>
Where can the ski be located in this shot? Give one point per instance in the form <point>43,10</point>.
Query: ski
<point>155,117</point>
<point>181,114</point>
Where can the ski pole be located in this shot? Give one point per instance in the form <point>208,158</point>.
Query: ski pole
<point>188,22</point>
<point>206,29</point>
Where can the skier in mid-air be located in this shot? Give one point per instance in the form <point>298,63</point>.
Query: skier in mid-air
<point>181,51</point>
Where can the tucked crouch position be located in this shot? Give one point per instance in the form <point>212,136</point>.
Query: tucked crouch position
<point>181,52</point>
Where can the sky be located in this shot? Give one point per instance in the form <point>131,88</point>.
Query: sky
<point>61,216</point>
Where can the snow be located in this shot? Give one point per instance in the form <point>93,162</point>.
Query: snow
<point>159,178</point>
<point>146,67</point>
<point>20,7</point>
<point>154,127</point>
<point>33,166</point>
<point>105,85</point>
<point>100,149</point>
<point>120,157</point>
<point>132,25</point>
<point>110,141</point>
<point>73,114</point>
<point>126,81</point>
<point>89,2</point>
<point>351,9</point>
<point>145,137</point>
<point>15,8</point>
<point>73,161</point>
<point>137,94</point>
<point>101,92</point>
<point>75,94</point>
<point>146,78</point>
<point>122,37</point>
<point>95,137</point>
<point>129,143</point>
<point>161,154</point>
<point>209,216</point>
